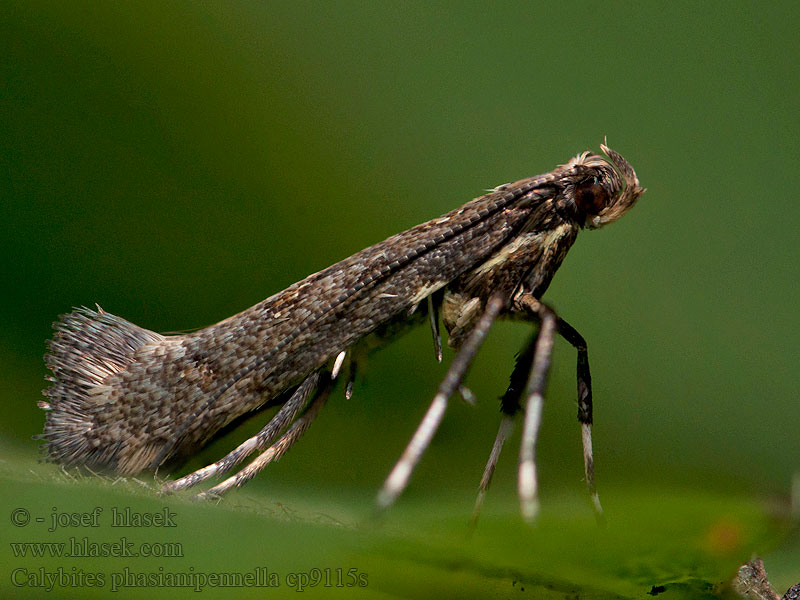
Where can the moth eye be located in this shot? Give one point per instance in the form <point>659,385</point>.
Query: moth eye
<point>591,197</point>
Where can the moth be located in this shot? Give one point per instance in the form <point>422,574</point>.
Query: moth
<point>126,399</point>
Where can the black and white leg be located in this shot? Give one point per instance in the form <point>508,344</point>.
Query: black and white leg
<point>527,484</point>
<point>398,478</point>
<point>570,334</point>
<point>510,406</point>
<point>530,308</point>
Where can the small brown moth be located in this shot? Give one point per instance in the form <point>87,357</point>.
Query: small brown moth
<point>126,399</point>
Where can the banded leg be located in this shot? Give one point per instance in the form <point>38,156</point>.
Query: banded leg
<point>276,450</point>
<point>530,307</point>
<point>261,440</point>
<point>510,406</point>
<point>398,478</point>
<point>526,480</point>
<point>570,334</point>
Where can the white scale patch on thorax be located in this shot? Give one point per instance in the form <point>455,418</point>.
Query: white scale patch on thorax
<point>544,238</point>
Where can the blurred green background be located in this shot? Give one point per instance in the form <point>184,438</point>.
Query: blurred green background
<point>179,162</point>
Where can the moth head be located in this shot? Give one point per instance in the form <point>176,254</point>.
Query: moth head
<point>605,188</point>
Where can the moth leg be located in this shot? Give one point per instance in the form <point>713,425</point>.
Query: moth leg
<point>526,481</point>
<point>467,395</point>
<point>531,308</point>
<point>275,451</point>
<point>337,364</point>
<point>398,478</point>
<point>351,378</point>
<point>262,439</point>
<point>503,433</point>
<point>510,406</point>
<point>433,317</point>
<point>570,334</point>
